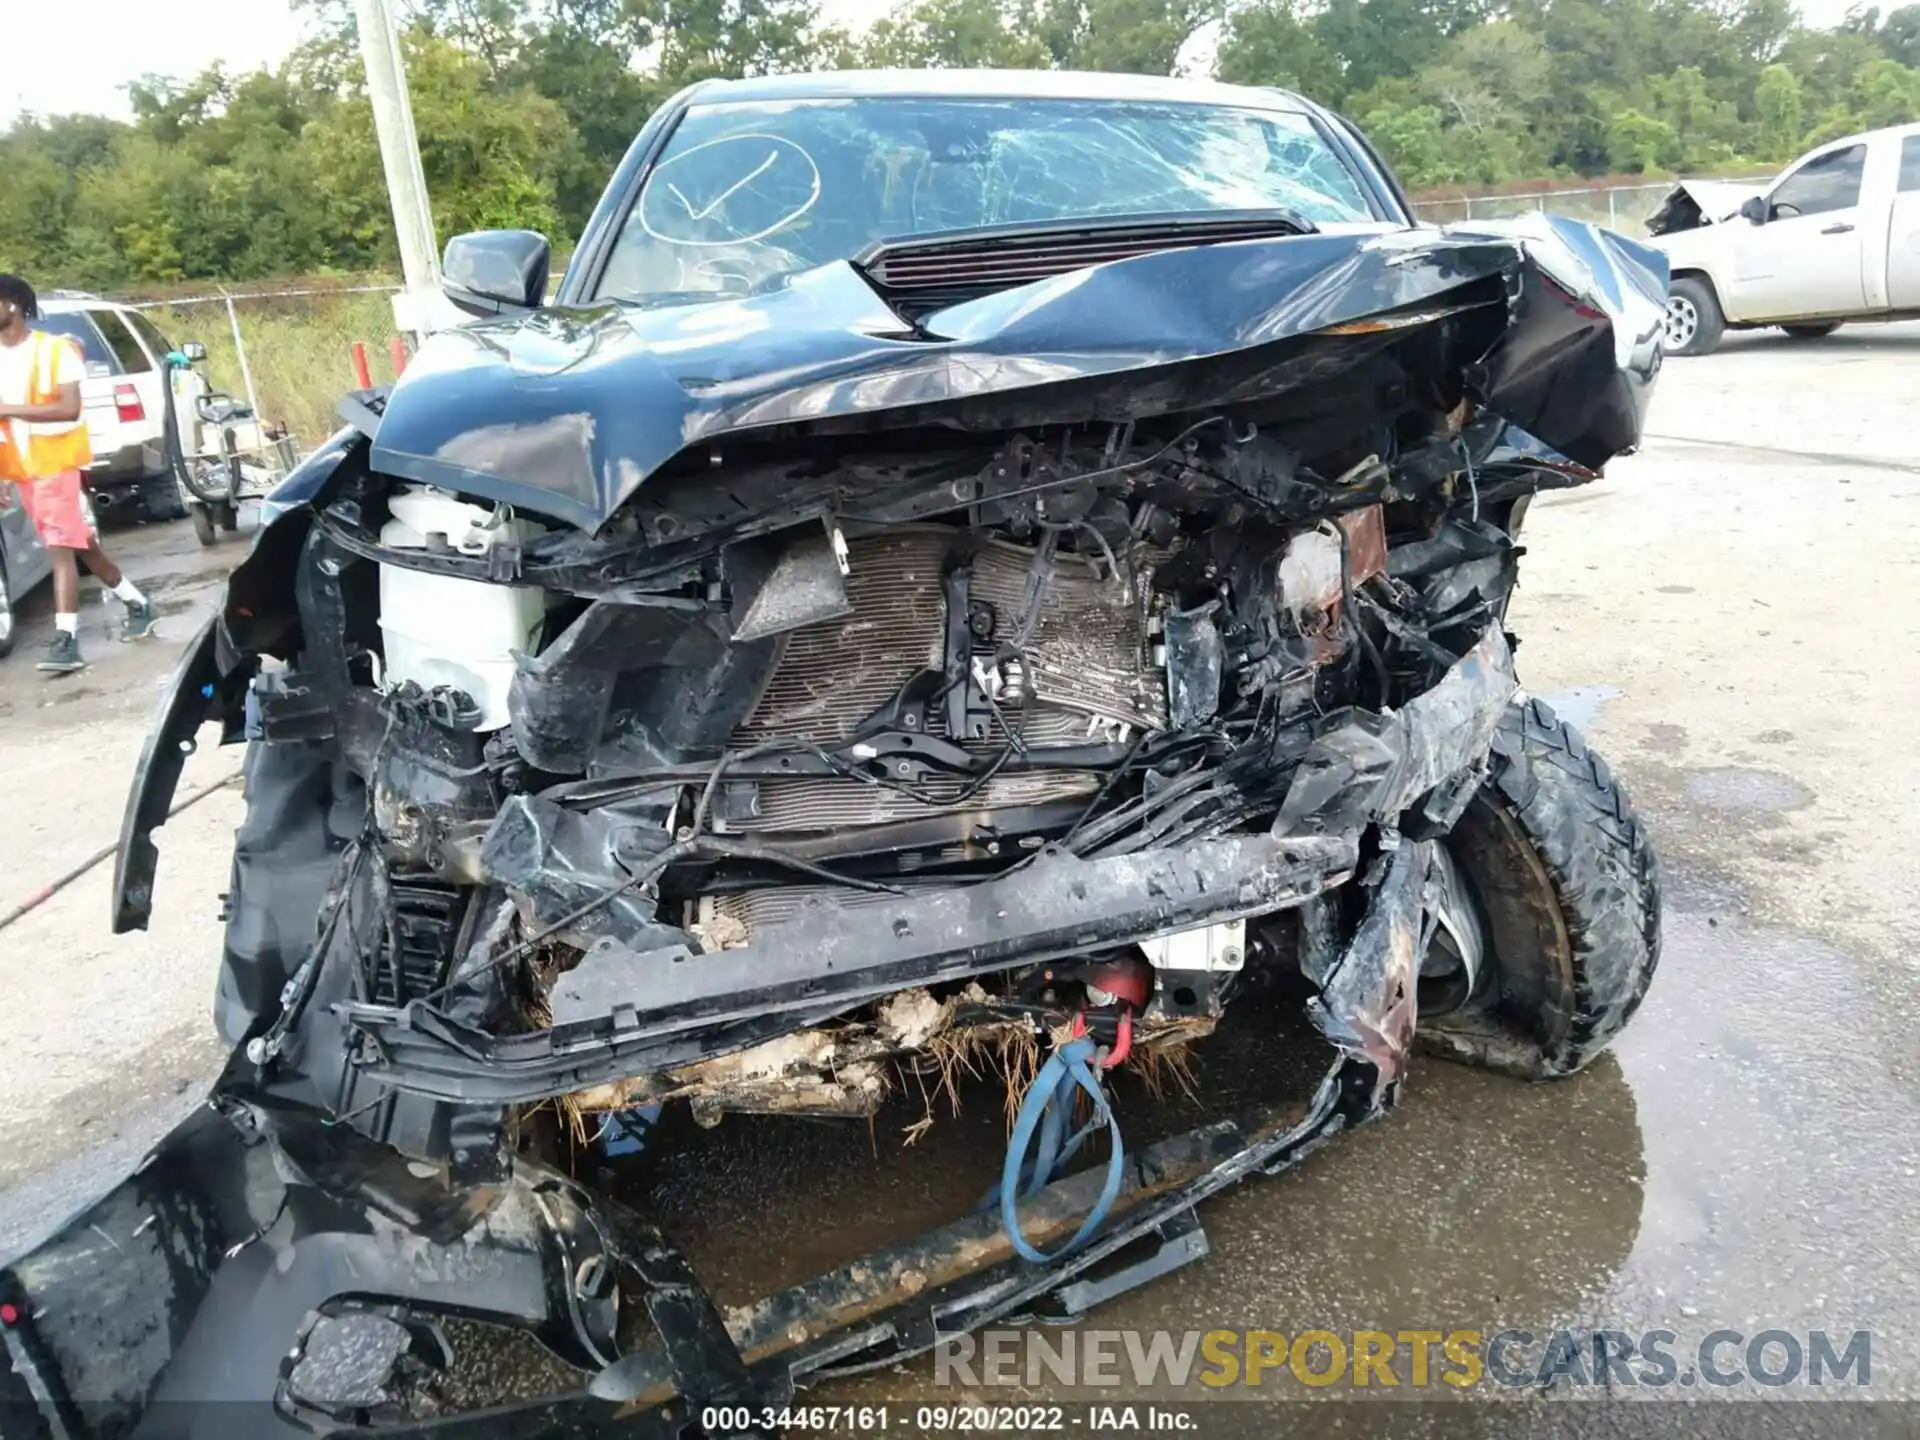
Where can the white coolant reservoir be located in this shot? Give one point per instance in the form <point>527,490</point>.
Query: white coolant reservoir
<point>442,630</point>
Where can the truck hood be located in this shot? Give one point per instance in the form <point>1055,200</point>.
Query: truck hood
<point>567,412</point>
<point>1695,203</point>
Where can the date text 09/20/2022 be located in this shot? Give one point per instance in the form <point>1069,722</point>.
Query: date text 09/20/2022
<point>951,1419</point>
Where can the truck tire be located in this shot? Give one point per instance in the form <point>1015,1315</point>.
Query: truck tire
<point>160,498</point>
<point>1565,891</point>
<point>1694,321</point>
<point>1811,332</point>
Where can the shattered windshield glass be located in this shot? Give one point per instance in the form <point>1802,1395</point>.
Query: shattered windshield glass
<point>748,193</point>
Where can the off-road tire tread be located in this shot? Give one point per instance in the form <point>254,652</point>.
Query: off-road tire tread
<point>1605,880</point>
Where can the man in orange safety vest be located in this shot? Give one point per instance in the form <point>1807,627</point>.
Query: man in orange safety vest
<point>45,451</point>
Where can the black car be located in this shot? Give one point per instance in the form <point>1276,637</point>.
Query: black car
<point>1002,565</point>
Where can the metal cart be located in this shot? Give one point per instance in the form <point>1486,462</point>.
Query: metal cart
<point>224,453</point>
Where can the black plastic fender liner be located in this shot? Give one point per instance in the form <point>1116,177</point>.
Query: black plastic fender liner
<point>1371,766</point>
<point>1368,1001</point>
<point>169,1307</point>
<point>186,702</point>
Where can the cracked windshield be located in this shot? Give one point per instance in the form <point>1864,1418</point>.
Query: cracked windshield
<point>748,194</point>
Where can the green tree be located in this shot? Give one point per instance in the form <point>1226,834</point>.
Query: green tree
<point>1778,101</point>
<point>1414,140</point>
<point>1268,43</point>
<point>696,39</point>
<point>1708,127</point>
<point>1885,92</point>
<point>1137,36</point>
<point>1826,61</point>
<point>524,106</point>
<point>956,34</point>
<point>1371,40</point>
<point>1493,84</point>
<point>1899,35</point>
<point>581,62</point>
<point>493,157</point>
<point>490,29</point>
<point>1640,143</point>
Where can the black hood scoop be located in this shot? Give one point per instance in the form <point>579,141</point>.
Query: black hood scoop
<point>926,273</point>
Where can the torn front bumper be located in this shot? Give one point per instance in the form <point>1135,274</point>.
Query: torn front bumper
<point>188,1301</point>
<point>625,1012</point>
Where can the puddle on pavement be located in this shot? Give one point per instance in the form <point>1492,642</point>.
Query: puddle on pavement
<point>762,1202</point>
<point>1480,1197</point>
<point>1580,705</point>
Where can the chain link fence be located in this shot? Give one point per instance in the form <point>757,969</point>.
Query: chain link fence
<point>1618,207</point>
<point>290,351</point>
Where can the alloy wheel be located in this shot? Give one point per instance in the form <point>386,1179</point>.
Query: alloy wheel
<point>1456,954</point>
<point>1682,322</point>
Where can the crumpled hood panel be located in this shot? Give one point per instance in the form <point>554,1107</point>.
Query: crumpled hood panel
<point>567,412</point>
<point>1694,204</point>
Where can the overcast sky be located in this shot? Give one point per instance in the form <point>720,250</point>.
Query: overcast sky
<point>102,44</point>
<point>105,43</point>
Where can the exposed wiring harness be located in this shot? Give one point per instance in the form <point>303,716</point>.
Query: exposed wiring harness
<point>1105,472</point>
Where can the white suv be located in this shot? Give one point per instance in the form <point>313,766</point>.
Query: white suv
<point>123,393</point>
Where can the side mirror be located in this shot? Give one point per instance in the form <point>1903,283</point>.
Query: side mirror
<point>194,351</point>
<point>1754,208</point>
<point>489,272</point>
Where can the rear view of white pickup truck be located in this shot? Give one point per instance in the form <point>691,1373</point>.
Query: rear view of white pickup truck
<point>1834,239</point>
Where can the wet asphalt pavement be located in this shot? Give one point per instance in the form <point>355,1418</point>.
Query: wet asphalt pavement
<point>1731,617</point>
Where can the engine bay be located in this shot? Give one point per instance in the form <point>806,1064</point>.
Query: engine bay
<point>764,733</point>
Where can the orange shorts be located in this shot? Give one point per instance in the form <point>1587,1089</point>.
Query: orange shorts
<point>60,510</point>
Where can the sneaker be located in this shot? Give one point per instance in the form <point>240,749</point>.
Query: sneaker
<point>139,622</point>
<point>63,655</point>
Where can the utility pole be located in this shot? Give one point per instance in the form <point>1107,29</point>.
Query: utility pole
<point>418,309</point>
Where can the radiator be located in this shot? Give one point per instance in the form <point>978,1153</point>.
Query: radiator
<point>1088,655</point>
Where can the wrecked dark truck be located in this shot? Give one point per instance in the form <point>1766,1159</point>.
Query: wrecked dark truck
<point>965,560</point>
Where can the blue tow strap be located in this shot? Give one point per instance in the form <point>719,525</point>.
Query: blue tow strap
<point>1045,1114</point>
